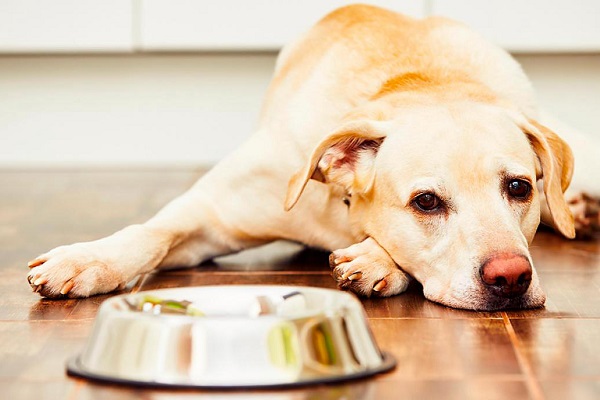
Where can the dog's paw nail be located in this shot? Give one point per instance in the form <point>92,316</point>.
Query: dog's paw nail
<point>40,281</point>
<point>67,287</point>
<point>37,289</point>
<point>333,260</point>
<point>35,263</point>
<point>354,276</point>
<point>336,259</point>
<point>379,286</point>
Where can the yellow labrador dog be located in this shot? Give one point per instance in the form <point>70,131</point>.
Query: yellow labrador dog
<point>407,147</point>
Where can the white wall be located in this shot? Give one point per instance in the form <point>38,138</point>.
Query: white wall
<point>568,86</point>
<point>127,110</point>
<point>129,26</point>
<point>188,109</point>
<point>80,86</point>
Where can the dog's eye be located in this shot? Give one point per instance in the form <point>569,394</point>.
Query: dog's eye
<point>427,202</point>
<point>519,189</point>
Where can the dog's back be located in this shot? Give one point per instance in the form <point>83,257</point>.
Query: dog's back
<point>356,52</point>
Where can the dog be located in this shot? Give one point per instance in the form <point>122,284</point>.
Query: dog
<point>409,148</point>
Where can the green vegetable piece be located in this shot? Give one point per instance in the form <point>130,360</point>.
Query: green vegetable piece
<point>167,306</point>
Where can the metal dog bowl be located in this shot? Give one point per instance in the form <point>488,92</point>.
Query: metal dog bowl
<point>231,337</point>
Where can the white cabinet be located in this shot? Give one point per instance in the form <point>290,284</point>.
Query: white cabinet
<point>30,26</point>
<point>531,25</point>
<point>71,26</point>
<point>238,24</point>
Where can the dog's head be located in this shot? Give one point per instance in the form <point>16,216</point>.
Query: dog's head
<point>450,193</point>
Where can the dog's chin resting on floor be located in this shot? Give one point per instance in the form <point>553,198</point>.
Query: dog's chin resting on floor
<point>408,148</point>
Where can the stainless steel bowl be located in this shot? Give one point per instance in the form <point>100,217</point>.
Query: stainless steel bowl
<point>231,336</point>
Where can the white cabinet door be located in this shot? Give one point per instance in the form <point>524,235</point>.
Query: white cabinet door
<point>35,26</point>
<point>238,24</point>
<point>530,25</point>
<point>28,26</point>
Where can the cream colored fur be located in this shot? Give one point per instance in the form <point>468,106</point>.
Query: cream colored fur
<point>371,108</point>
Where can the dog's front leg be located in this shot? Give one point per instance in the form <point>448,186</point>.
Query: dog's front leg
<point>367,269</point>
<point>186,232</point>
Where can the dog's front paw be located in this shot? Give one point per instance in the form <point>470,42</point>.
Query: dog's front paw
<point>368,270</point>
<point>72,271</point>
<point>586,213</point>
<point>101,266</point>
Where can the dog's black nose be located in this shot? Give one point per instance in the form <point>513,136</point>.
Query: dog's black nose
<point>506,275</point>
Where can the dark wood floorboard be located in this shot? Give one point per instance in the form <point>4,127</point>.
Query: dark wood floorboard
<point>551,353</point>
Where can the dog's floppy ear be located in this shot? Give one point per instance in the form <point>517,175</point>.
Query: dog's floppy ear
<point>345,157</point>
<point>556,160</point>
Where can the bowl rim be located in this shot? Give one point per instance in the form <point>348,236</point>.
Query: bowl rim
<point>209,317</point>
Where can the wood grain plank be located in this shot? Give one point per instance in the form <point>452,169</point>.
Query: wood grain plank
<point>580,389</point>
<point>369,389</point>
<point>12,389</point>
<point>569,295</point>
<point>447,348</point>
<point>38,350</point>
<point>560,348</point>
<point>441,352</point>
<point>171,280</point>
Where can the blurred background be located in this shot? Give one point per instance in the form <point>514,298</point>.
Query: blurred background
<point>178,83</point>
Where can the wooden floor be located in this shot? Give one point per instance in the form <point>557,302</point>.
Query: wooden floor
<point>551,353</point>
